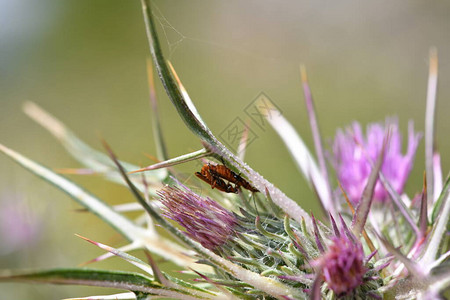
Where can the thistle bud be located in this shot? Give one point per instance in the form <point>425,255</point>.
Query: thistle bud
<point>343,265</point>
<point>205,220</point>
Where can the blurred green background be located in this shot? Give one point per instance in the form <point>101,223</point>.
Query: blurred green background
<point>84,61</point>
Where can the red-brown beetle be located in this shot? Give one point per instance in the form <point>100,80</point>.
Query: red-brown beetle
<point>216,174</point>
<point>215,181</point>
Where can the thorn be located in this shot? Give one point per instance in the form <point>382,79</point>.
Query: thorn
<point>317,235</point>
<point>153,158</point>
<point>335,228</point>
<point>423,218</point>
<point>346,198</point>
<point>159,276</point>
<point>369,257</point>
<point>139,170</point>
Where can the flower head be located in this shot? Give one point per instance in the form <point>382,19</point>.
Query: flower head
<point>204,220</point>
<point>343,265</point>
<point>353,153</point>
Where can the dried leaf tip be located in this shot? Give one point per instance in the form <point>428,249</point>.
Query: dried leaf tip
<point>303,74</point>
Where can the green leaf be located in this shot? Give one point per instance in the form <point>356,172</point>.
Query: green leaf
<point>188,112</point>
<point>116,279</point>
<point>112,279</point>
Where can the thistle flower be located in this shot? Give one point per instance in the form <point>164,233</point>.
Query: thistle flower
<point>204,219</point>
<point>353,154</point>
<point>343,267</point>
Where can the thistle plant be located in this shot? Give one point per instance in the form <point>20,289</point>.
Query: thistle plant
<point>244,238</point>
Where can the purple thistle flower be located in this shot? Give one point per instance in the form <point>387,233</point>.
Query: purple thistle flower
<point>343,265</point>
<point>205,221</point>
<point>352,152</point>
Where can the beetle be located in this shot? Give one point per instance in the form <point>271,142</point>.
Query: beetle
<point>224,172</point>
<point>216,174</point>
<point>215,181</point>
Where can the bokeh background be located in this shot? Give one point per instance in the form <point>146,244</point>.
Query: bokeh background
<point>84,61</point>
